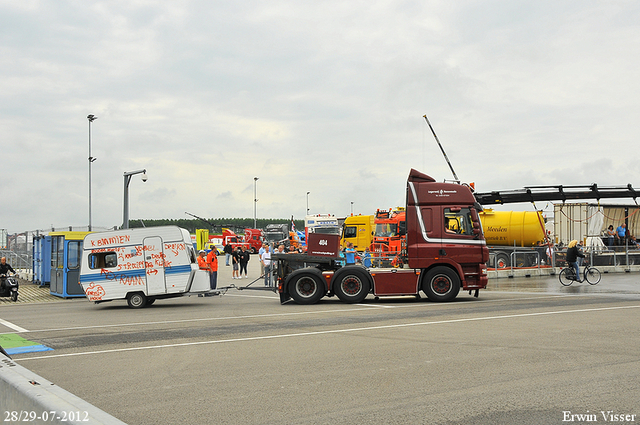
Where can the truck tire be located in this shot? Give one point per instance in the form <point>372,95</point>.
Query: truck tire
<point>351,284</point>
<point>136,300</point>
<point>441,284</point>
<point>502,261</point>
<point>305,287</point>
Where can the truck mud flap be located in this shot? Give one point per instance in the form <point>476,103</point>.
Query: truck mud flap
<point>284,298</point>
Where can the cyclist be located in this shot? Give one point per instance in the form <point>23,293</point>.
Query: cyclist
<point>572,257</point>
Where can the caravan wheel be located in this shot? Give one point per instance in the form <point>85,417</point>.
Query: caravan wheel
<point>137,300</point>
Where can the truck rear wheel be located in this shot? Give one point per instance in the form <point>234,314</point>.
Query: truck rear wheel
<point>306,287</point>
<point>351,286</point>
<point>441,284</point>
<point>137,300</point>
<point>502,261</point>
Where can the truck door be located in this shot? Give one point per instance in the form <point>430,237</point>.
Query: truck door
<point>153,249</point>
<point>424,236</point>
<point>459,242</point>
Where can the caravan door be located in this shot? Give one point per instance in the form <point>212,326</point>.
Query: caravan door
<point>154,259</point>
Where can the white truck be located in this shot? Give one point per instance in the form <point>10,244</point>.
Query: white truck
<point>141,265</point>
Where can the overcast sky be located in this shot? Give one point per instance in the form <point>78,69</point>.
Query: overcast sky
<point>323,97</point>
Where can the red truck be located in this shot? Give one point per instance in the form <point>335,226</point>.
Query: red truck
<point>254,237</point>
<point>228,237</point>
<point>438,261</point>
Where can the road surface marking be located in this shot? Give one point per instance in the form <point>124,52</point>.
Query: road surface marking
<point>12,326</point>
<point>275,315</point>
<point>332,331</point>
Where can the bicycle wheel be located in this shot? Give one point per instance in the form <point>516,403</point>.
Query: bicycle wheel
<point>592,275</point>
<point>567,276</point>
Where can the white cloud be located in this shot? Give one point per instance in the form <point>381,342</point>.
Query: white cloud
<point>325,97</point>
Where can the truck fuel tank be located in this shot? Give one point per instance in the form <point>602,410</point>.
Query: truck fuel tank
<point>519,228</point>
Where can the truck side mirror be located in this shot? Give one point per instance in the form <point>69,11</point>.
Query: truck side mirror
<point>402,228</point>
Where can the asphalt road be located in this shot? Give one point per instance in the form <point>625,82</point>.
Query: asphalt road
<point>528,351</point>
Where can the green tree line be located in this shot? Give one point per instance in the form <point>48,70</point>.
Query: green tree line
<point>214,225</point>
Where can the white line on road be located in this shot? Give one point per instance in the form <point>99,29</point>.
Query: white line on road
<point>332,331</point>
<point>275,315</point>
<point>12,326</point>
<point>376,305</point>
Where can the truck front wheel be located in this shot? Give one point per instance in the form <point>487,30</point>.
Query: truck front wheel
<point>441,284</point>
<point>306,288</point>
<point>351,286</point>
<point>137,300</point>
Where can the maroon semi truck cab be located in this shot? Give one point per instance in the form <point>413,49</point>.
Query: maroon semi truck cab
<point>446,252</point>
<point>444,235</point>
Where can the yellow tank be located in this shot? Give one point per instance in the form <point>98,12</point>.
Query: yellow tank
<point>519,228</point>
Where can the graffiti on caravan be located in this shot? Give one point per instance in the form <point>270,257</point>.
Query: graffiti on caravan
<point>111,240</point>
<point>123,278</point>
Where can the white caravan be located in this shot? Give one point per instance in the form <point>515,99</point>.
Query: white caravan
<point>141,266</point>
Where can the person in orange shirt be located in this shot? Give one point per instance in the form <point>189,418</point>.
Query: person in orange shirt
<point>202,261</point>
<point>212,260</point>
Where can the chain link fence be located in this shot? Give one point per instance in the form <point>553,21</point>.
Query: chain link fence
<point>17,248</point>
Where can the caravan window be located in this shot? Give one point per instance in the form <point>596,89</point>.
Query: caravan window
<point>103,260</point>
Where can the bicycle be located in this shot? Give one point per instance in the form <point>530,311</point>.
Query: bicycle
<point>568,275</point>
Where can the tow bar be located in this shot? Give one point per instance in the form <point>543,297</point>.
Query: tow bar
<point>257,288</point>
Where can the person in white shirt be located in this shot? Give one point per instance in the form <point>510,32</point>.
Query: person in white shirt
<point>265,259</point>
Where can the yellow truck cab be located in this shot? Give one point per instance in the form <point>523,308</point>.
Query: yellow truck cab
<point>358,229</point>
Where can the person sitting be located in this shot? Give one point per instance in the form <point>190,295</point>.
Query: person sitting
<point>5,268</point>
<point>448,225</point>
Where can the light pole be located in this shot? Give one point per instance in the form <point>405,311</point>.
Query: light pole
<point>308,202</point>
<point>91,118</point>
<point>127,179</point>
<point>255,202</point>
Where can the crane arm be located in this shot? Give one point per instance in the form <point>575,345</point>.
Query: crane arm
<point>556,193</point>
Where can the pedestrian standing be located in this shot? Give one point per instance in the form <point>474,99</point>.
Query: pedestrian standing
<point>260,252</point>
<point>244,257</point>
<point>228,251</point>
<point>350,254</point>
<point>235,259</point>
<point>367,258</point>
<point>265,259</point>
<point>212,259</point>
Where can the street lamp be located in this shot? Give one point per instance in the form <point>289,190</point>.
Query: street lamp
<point>91,118</point>
<point>127,179</point>
<point>255,202</point>
<point>308,202</point>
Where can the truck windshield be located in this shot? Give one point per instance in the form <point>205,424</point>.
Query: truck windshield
<point>274,236</point>
<point>325,230</point>
<point>386,230</point>
<point>458,221</point>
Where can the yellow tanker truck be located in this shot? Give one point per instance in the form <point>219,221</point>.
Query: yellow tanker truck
<point>506,231</point>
